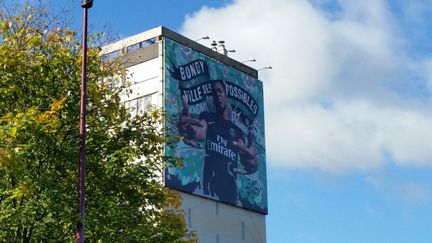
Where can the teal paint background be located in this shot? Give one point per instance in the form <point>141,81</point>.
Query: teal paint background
<point>252,188</point>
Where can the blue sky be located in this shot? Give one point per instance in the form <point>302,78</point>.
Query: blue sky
<point>348,104</point>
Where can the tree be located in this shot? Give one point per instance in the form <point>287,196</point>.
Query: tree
<point>40,66</point>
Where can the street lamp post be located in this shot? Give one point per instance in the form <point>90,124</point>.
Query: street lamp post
<point>85,4</point>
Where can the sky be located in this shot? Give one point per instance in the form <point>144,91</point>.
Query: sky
<point>348,105</point>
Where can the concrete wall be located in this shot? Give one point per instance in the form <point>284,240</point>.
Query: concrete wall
<point>216,222</point>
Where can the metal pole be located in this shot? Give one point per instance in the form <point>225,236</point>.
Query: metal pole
<point>83,111</point>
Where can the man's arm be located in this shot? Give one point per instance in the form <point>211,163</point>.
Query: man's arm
<point>191,129</point>
<point>248,156</point>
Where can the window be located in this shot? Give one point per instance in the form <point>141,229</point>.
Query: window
<point>134,47</point>
<point>140,105</point>
<point>141,44</point>
<point>111,55</point>
<point>144,103</point>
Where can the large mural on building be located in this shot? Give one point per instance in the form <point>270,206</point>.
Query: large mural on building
<point>216,112</point>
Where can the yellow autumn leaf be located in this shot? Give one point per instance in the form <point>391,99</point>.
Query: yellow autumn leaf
<point>47,118</point>
<point>57,105</point>
<point>23,189</point>
<point>14,131</point>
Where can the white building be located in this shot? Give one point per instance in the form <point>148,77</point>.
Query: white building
<point>151,60</point>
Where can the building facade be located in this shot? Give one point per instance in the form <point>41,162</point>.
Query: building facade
<point>214,104</point>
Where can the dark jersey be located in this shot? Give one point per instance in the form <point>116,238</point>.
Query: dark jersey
<point>221,157</point>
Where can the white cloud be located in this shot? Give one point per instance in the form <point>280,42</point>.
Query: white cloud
<point>339,96</point>
<point>350,135</point>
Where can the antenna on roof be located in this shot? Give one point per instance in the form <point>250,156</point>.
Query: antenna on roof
<point>220,47</point>
<point>249,60</point>
<point>202,38</point>
<point>266,67</point>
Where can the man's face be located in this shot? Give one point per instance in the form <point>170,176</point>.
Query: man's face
<point>219,95</point>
